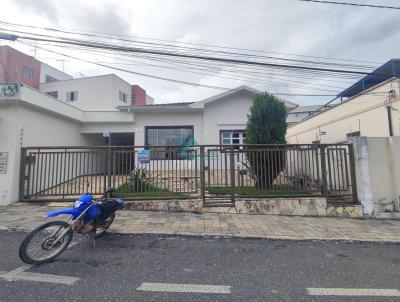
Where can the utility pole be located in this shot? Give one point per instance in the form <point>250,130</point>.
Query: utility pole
<point>392,95</point>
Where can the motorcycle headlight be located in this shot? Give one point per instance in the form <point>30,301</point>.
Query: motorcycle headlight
<point>77,204</point>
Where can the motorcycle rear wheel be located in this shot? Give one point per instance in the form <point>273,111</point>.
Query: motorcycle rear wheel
<point>38,246</point>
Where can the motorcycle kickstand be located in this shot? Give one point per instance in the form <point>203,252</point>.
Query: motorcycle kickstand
<point>93,237</point>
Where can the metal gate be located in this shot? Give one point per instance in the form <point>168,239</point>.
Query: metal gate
<point>218,174</point>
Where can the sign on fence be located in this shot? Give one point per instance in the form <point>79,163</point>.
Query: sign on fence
<point>144,156</point>
<point>3,162</point>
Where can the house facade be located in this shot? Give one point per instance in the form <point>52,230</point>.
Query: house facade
<point>29,117</point>
<point>370,107</point>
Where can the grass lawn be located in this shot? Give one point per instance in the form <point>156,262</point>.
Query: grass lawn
<point>126,191</point>
<point>276,190</point>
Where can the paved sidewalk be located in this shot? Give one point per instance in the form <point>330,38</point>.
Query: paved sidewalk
<point>224,225</point>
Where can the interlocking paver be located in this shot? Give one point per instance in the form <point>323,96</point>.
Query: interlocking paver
<point>27,216</point>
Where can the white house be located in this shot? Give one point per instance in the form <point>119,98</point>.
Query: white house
<point>97,93</point>
<point>29,117</point>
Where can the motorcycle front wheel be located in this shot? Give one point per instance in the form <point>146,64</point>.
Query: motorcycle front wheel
<point>38,246</point>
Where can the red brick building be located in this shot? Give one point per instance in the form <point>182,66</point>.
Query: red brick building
<point>16,66</point>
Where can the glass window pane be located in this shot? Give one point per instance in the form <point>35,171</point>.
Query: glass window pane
<point>187,137</point>
<point>152,137</point>
<point>235,141</point>
<point>175,137</point>
<point>164,137</point>
<point>226,141</point>
<point>226,134</point>
<point>235,134</point>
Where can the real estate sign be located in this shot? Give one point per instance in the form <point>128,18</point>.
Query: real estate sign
<point>3,162</point>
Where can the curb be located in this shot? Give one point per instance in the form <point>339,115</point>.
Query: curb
<point>269,238</point>
<point>229,236</point>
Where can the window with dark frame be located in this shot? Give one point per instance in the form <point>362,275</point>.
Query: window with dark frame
<point>353,134</point>
<point>27,72</point>
<point>123,97</point>
<point>53,94</point>
<point>232,137</point>
<point>72,96</point>
<point>167,136</point>
<point>49,79</point>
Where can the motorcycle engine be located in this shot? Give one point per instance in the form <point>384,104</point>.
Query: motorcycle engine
<point>86,228</point>
<point>83,228</point>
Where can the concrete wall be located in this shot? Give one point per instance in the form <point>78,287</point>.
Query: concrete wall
<point>100,93</point>
<point>365,113</point>
<point>378,174</point>
<point>26,126</point>
<point>229,113</point>
<point>189,118</point>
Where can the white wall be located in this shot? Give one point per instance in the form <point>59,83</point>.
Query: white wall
<point>378,174</point>
<point>229,113</point>
<point>99,93</point>
<point>168,118</point>
<point>22,125</point>
<point>365,113</point>
<point>53,72</point>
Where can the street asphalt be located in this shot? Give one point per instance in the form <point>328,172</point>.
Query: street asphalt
<point>137,268</point>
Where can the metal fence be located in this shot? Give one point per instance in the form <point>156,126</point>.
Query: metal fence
<point>216,173</point>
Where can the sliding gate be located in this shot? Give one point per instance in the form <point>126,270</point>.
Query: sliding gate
<point>218,174</point>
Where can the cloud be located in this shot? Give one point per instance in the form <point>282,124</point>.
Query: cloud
<point>104,16</point>
<point>282,27</point>
<point>43,8</point>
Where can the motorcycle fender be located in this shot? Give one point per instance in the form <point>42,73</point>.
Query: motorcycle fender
<point>65,211</point>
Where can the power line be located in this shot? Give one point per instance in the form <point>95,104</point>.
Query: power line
<point>115,36</point>
<point>188,83</point>
<point>168,79</point>
<point>352,4</point>
<point>171,54</point>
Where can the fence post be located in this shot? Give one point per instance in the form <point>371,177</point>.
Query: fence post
<point>324,172</point>
<point>353,173</point>
<point>232,170</point>
<point>22,168</point>
<point>109,157</point>
<point>202,175</point>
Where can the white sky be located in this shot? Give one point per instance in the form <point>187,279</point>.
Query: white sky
<point>286,26</point>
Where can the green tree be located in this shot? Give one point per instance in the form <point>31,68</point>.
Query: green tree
<point>266,125</point>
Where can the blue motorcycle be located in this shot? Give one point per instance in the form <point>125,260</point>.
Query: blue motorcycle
<point>87,216</point>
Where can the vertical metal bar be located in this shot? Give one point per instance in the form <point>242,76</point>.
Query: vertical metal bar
<point>226,167</point>
<point>63,165</point>
<point>90,172</point>
<point>353,173</point>
<point>109,157</point>
<point>232,170</point>
<point>317,162</point>
<point>22,174</point>
<point>324,172</point>
<point>69,173</point>
<point>340,169</point>
<point>346,168</point>
<point>29,176</point>
<point>202,175</point>
<point>195,167</point>
<point>80,173</point>
<point>329,167</point>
